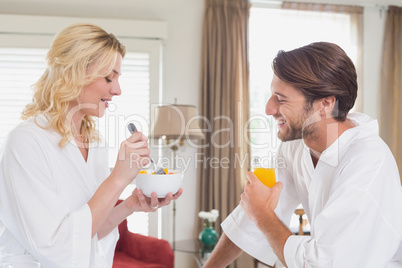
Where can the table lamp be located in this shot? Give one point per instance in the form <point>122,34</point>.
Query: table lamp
<point>175,123</point>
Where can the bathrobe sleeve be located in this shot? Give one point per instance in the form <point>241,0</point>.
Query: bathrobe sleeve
<point>245,234</point>
<point>32,210</point>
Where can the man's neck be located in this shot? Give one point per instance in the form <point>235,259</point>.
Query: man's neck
<point>326,134</point>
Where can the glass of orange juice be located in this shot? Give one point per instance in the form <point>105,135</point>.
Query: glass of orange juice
<point>265,174</point>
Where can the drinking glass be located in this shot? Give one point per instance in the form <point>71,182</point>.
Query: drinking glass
<point>266,176</point>
<point>265,172</point>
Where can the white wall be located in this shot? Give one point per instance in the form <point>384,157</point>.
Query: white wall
<point>181,64</point>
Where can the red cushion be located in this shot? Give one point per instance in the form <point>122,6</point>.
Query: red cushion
<point>135,250</point>
<point>122,232</point>
<point>122,260</point>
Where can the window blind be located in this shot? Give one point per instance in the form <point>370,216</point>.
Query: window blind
<point>21,67</point>
<point>133,105</point>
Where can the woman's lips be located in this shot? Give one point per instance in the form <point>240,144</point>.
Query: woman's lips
<point>106,102</point>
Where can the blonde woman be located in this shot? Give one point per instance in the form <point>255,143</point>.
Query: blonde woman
<point>57,194</point>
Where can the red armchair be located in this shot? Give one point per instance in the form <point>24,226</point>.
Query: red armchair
<point>139,251</point>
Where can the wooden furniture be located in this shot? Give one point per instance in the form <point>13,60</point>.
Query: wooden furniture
<point>300,212</point>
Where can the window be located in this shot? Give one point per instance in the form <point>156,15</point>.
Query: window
<point>140,80</point>
<point>133,105</point>
<point>19,69</point>
<point>271,30</point>
<point>22,67</point>
<point>274,29</point>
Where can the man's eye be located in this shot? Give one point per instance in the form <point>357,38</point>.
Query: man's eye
<point>280,101</point>
<point>108,80</point>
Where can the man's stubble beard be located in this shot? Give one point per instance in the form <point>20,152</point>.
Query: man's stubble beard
<point>305,127</point>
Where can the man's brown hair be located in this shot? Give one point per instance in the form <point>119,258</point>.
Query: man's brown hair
<point>320,70</point>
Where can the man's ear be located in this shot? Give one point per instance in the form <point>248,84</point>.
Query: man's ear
<point>328,104</point>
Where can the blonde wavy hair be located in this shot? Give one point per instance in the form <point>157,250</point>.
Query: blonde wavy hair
<point>73,51</point>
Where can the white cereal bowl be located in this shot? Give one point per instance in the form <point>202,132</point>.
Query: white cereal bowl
<point>160,184</point>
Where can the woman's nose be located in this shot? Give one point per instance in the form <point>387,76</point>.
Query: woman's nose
<point>272,106</point>
<point>116,90</point>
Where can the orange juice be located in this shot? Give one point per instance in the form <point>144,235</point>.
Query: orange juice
<point>266,176</point>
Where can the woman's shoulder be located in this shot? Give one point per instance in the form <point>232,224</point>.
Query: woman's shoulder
<point>29,125</point>
<point>31,130</point>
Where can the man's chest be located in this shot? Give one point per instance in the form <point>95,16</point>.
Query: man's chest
<point>314,186</point>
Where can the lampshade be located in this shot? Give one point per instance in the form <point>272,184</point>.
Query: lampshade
<point>176,122</point>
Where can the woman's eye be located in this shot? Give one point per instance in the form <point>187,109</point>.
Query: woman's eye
<point>108,80</point>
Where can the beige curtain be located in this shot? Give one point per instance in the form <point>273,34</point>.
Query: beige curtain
<point>225,106</point>
<point>391,87</point>
<point>356,19</point>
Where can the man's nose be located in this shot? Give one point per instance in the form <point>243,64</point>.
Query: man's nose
<point>272,106</point>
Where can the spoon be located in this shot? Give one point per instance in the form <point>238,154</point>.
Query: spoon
<point>158,170</point>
